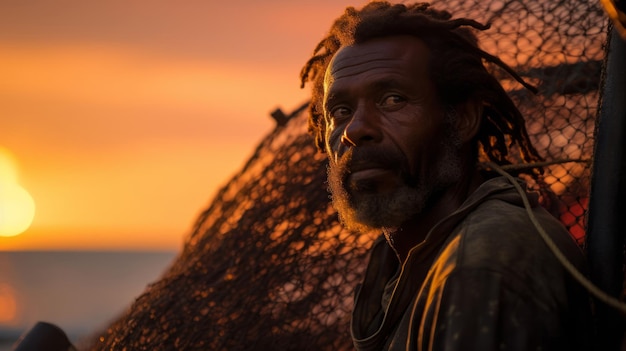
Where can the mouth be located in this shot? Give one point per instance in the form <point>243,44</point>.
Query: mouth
<point>371,179</point>
<point>367,173</point>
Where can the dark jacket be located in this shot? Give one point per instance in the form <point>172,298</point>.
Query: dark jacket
<point>483,279</point>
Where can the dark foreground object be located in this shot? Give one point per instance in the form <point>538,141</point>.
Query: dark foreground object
<point>44,337</point>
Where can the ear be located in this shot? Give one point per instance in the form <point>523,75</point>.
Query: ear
<point>469,117</point>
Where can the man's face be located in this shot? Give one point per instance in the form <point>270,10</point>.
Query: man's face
<point>392,146</point>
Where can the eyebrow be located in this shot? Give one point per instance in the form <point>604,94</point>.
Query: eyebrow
<point>388,83</point>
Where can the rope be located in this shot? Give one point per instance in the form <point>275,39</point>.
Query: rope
<point>586,283</point>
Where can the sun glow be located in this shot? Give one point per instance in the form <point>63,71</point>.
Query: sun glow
<point>17,207</point>
<point>8,304</point>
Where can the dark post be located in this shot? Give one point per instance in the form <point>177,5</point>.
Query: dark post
<point>607,206</point>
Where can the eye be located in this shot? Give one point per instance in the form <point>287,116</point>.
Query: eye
<point>390,101</point>
<point>340,113</point>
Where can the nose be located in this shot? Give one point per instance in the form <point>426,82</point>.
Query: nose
<point>363,128</point>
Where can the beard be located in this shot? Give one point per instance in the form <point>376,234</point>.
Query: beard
<point>363,210</point>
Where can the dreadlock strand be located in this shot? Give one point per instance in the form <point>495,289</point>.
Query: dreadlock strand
<point>463,22</point>
<point>509,70</point>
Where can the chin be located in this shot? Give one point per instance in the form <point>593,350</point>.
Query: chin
<point>364,212</point>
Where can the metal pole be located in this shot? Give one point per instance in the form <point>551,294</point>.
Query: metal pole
<point>607,205</point>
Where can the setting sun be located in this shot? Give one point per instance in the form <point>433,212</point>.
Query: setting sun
<point>17,207</point>
<point>123,134</point>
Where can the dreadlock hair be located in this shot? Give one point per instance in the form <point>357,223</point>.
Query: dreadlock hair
<point>457,70</point>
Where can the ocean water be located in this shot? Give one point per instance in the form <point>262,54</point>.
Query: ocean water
<point>79,291</point>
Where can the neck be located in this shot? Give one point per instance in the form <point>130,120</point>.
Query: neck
<point>414,231</point>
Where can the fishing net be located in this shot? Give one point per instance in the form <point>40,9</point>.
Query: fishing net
<point>267,266</point>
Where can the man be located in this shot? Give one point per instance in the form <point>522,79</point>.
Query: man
<point>405,109</point>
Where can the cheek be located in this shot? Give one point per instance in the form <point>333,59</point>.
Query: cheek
<point>419,155</point>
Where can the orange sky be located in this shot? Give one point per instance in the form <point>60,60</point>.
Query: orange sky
<point>126,116</point>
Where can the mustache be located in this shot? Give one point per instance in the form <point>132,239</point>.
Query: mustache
<point>371,157</point>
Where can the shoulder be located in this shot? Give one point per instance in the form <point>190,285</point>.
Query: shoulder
<point>496,270</point>
<point>498,241</point>
<point>500,234</point>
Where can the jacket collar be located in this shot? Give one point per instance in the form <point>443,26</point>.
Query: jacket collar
<point>384,264</point>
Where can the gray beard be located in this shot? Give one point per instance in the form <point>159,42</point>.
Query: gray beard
<point>364,212</point>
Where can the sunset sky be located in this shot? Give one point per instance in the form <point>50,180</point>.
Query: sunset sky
<point>125,117</point>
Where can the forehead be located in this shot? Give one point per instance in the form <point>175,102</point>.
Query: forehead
<point>398,54</point>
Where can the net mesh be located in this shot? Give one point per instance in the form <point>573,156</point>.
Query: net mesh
<point>267,265</point>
